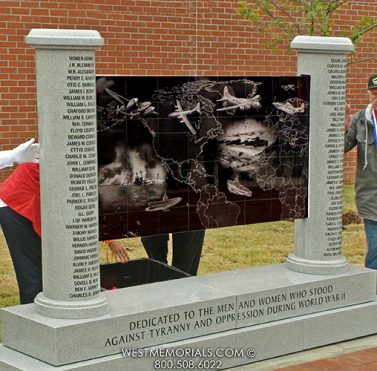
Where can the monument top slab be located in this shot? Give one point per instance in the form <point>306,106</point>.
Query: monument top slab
<point>322,44</point>
<point>45,37</point>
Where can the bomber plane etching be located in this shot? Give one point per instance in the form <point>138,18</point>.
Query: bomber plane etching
<point>182,115</point>
<point>232,103</point>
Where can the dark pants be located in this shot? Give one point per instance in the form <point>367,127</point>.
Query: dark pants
<point>371,234</point>
<point>25,249</point>
<point>187,248</point>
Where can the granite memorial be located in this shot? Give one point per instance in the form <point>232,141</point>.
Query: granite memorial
<point>211,321</point>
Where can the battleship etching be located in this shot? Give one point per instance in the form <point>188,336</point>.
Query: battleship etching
<point>202,152</point>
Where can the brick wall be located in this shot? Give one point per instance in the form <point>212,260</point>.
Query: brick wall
<point>153,38</point>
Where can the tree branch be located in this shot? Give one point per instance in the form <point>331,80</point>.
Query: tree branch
<point>362,60</point>
<point>280,23</point>
<point>283,11</point>
<point>361,33</point>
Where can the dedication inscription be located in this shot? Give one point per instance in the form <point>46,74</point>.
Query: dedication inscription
<point>158,327</point>
<point>264,307</point>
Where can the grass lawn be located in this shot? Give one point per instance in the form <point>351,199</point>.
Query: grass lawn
<point>224,248</point>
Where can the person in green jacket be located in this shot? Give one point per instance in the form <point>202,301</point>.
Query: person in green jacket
<point>361,131</point>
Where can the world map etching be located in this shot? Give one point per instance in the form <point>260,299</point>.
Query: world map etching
<point>187,153</point>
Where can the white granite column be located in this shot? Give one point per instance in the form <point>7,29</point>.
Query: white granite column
<point>65,69</point>
<point>318,238</point>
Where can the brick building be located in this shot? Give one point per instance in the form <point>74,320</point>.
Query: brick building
<point>154,37</point>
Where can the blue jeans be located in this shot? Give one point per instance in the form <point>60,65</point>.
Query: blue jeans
<point>371,234</point>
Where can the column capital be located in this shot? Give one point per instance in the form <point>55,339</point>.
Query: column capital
<point>56,39</point>
<point>322,44</point>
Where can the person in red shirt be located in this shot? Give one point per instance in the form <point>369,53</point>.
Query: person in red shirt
<point>20,216</point>
<point>21,224</point>
<point>20,220</point>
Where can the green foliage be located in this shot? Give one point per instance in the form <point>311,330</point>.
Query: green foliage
<point>299,17</point>
<point>365,25</point>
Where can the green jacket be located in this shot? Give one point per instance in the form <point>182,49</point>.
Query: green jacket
<point>361,134</point>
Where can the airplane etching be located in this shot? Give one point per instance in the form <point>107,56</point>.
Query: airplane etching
<point>232,103</point>
<point>182,115</point>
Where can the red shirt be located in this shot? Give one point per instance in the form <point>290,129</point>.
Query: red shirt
<point>21,192</point>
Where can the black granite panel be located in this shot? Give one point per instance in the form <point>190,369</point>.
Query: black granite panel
<point>186,153</point>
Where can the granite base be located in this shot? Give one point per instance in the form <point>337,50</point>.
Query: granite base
<point>270,309</point>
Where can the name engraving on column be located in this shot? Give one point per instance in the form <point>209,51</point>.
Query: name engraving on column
<point>334,103</point>
<point>81,162</point>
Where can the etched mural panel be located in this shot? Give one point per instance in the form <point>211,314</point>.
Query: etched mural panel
<point>186,153</point>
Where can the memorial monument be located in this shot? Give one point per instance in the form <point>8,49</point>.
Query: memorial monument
<point>238,317</point>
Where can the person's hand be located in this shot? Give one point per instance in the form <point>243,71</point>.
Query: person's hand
<point>348,118</point>
<point>26,152</point>
<point>119,252</point>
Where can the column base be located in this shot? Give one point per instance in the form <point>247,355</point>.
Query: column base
<point>71,309</point>
<point>310,266</point>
